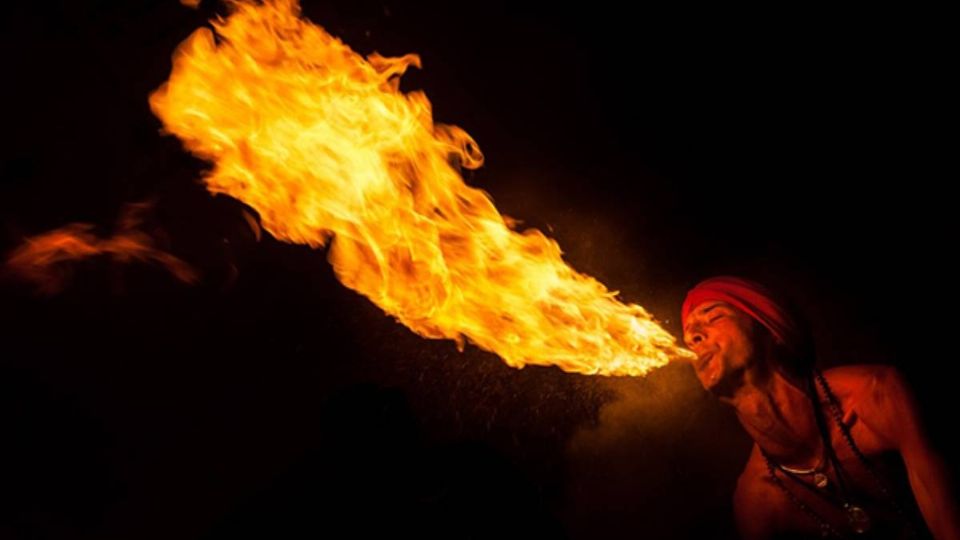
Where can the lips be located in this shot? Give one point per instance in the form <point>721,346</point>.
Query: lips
<point>708,370</point>
<point>703,360</point>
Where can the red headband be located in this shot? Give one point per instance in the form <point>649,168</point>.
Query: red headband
<point>753,299</point>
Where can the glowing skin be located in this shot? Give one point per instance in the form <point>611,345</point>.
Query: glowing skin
<point>737,362</point>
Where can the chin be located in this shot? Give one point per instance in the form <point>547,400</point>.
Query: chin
<point>712,374</point>
<point>727,385</point>
<point>708,385</point>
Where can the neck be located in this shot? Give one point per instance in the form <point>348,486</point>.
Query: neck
<point>778,413</point>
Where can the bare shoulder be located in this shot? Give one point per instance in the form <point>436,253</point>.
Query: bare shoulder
<point>876,394</point>
<point>874,381</point>
<point>859,377</point>
<point>865,384</point>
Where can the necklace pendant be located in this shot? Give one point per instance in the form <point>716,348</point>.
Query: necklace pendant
<point>858,518</point>
<point>820,480</point>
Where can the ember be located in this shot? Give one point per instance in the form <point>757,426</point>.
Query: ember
<point>44,259</point>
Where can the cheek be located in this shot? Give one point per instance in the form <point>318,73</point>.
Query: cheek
<point>742,349</point>
<point>736,341</point>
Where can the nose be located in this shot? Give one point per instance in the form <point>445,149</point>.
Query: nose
<point>695,338</point>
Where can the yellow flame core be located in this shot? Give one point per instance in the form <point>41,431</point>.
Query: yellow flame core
<point>323,144</point>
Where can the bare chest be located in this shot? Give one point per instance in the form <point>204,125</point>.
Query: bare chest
<point>856,492</point>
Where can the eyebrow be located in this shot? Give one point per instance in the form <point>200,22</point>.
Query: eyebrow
<point>705,311</point>
<point>718,304</point>
<point>709,309</point>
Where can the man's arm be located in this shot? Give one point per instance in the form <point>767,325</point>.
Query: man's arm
<point>926,469</point>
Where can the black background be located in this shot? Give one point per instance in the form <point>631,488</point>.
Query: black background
<point>659,146</point>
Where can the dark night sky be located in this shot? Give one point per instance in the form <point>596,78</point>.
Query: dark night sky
<point>659,146</point>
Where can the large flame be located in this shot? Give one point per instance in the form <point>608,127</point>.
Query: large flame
<point>322,143</point>
<point>44,259</point>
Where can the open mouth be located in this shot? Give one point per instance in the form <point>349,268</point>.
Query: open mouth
<point>704,360</point>
<point>710,371</point>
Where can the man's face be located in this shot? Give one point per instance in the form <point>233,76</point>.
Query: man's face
<point>724,339</point>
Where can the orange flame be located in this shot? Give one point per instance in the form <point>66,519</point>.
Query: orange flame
<point>323,144</point>
<point>41,259</point>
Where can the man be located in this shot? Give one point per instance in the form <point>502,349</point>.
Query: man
<point>828,446</point>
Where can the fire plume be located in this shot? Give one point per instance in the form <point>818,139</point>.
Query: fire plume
<point>322,143</point>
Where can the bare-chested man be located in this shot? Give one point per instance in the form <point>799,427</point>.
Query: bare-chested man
<point>852,463</point>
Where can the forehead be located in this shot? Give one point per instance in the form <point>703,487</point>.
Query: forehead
<point>704,307</point>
